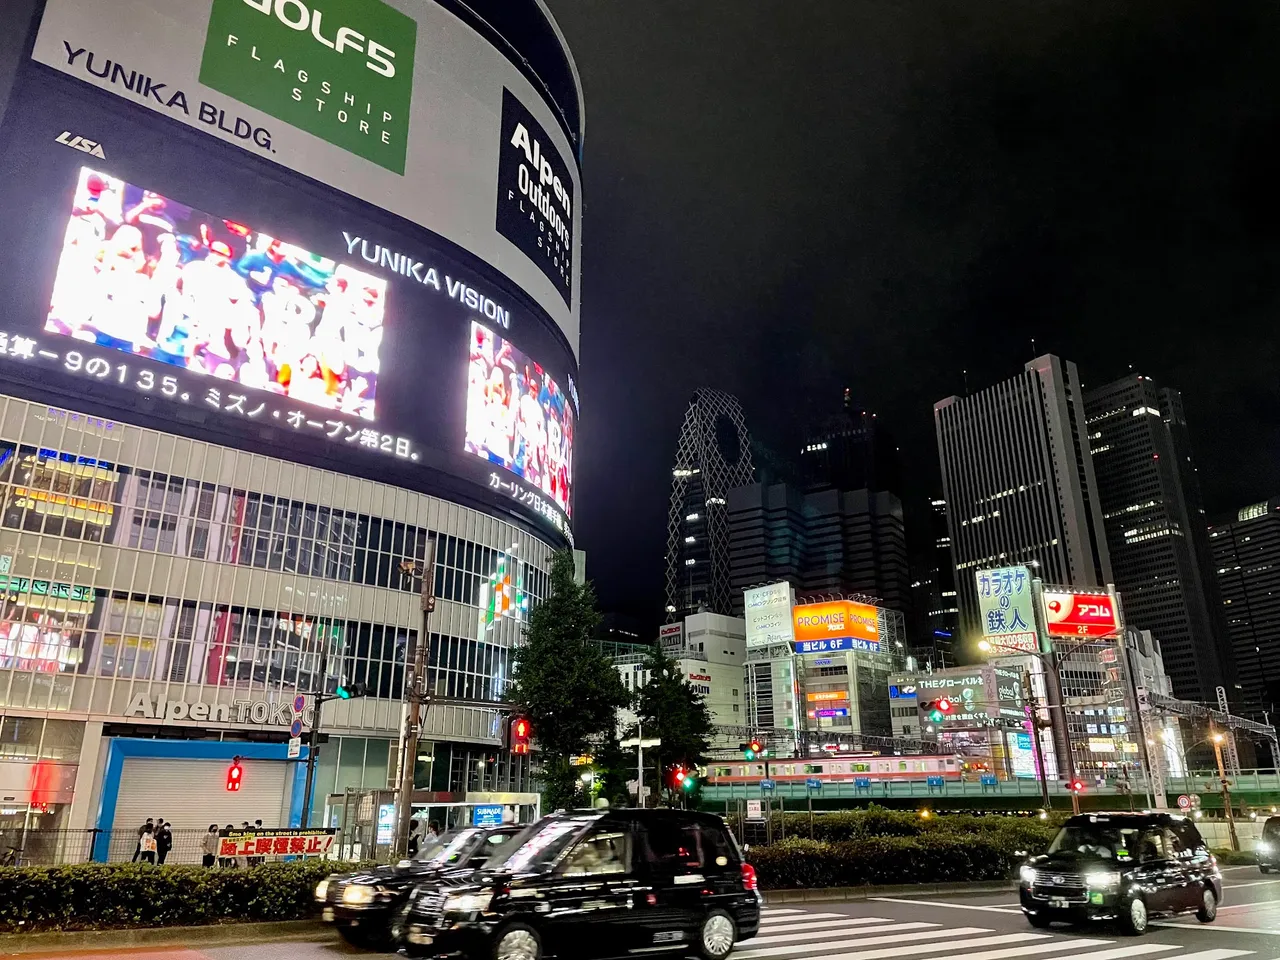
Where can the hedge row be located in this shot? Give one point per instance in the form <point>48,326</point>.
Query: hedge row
<point>1019,833</point>
<point>92,896</point>
<point>931,857</point>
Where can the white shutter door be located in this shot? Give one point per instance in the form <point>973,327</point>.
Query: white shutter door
<point>191,794</point>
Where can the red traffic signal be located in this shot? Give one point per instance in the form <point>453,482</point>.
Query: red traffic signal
<point>1076,786</point>
<point>235,775</point>
<point>756,747</point>
<point>945,706</point>
<point>521,734</point>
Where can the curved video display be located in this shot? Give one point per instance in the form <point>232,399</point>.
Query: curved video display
<point>151,275</point>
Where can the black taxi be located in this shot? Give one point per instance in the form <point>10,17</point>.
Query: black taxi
<point>1125,867</point>
<point>596,884</point>
<point>367,907</point>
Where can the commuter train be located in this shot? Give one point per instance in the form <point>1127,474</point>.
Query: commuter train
<point>835,769</point>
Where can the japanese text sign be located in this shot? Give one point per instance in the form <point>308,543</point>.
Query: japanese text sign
<point>1080,614</point>
<point>836,618</point>
<point>1004,602</point>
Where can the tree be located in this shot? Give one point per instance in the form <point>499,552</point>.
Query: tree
<point>563,682</point>
<point>670,709</point>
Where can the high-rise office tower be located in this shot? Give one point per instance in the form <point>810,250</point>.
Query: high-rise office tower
<point>850,450</point>
<point>1019,483</point>
<point>825,541</point>
<point>1246,556</point>
<point>1156,530</point>
<point>936,614</point>
<point>712,457</point>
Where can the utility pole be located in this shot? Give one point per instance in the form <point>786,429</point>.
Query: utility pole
<point>417,695</point>
<point>1037,748</point>
<point>1226,791</point>
<point>640,743</point>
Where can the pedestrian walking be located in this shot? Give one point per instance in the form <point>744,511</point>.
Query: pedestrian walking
<point>137,850</point>
<point>147,844</point>
<point>209,846</point>
<point>164,841</point>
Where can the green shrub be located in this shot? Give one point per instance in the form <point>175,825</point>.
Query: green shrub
<point>929,857</point>
<point>1238,858</point>
<point>100,896</point>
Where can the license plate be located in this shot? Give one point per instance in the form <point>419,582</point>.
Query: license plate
<point>1057,902</point>
<point>327,914</point>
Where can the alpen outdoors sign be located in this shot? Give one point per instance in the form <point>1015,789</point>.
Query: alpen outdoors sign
<point>340,69</point>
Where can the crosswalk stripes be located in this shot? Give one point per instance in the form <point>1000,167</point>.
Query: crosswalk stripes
<point>803,935</point>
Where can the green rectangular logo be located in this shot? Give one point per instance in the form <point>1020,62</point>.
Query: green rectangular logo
<point>339,69</point>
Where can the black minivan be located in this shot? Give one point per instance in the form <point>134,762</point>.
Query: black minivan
<point>1268,849</point>
<point>1126,867</point>
<point>595,884</point>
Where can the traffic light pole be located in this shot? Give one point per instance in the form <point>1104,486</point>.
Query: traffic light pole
<point>313,735</point>
<point>418,696</point>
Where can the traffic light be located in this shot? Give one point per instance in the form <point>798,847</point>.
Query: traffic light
<point>349,691</point>
<point>1076,786</point>
<point>685,779</point>
<point>521,734</point>
<point>235,775</point>
<point>754,750</point>
<point>938,710</point>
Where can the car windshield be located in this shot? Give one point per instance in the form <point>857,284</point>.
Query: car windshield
<point>537,847</point>
<point>1108,841</point>
<point>1271,830</point>
<point>453,846</point>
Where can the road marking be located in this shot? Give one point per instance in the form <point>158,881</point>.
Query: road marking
<point>901,938</point>
<point>825,924</point>
<point>823,934</point>
<point>1219,954</point>
<point>1025,949</point>
<point>950,906</point>
<point>1213,927</point>
<point>773,911</point>
<point>1254,883</point>
<point>806,916</point>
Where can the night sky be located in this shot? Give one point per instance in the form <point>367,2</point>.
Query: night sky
<point>786,198</point>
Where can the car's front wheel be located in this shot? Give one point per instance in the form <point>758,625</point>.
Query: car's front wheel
<point>518,942</point>
<point>1264,869</point>
<point>716,936</point>
<point>1133,918</point>
<point>1208,911</point>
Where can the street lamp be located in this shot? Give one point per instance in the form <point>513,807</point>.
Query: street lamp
<point>1217,739</point>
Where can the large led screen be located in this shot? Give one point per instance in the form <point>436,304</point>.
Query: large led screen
<point>147,275</point>
<point>518,417</point>
<point>157,278</point>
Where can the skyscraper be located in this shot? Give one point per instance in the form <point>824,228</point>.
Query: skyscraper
<point>1156,530</point>
<point>851,451</point>
<point>1246,556</point>
<point>713,456</point>
<point>825,541</point>
<point>936,615</point>
<point>1019,482</point>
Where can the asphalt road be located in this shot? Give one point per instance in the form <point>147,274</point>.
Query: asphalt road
<point>987,927</point>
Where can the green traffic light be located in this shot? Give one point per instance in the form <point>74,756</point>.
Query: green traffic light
<point>689,783</point>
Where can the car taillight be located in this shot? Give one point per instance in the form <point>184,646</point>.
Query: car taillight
<point>749,881</point>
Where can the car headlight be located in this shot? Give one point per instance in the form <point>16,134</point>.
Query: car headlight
<point>358,894</point>
<point>1263,847</point>
<point>468,902</point>
<point>322,890</point>
<point>1102,879</point>
<point>1027,875</point>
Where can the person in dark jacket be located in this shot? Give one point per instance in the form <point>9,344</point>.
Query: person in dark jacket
<point>164,841</point>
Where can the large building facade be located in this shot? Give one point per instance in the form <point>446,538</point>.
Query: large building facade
<point>1157,530</point>
<point>713,456</point>
<point>1019,483</point>
<point>227,439</point>
<point>1246,557</point>
<point>826,541</point>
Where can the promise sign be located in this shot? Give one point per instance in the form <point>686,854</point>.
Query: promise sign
<point>339,69</point>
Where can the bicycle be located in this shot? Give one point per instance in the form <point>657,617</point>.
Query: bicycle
<point>12,857</point>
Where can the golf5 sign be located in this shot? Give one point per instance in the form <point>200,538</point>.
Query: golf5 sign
<point>339,69</point>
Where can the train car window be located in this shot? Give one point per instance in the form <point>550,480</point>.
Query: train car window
<point>902,765</point>
<point>813,768</point>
